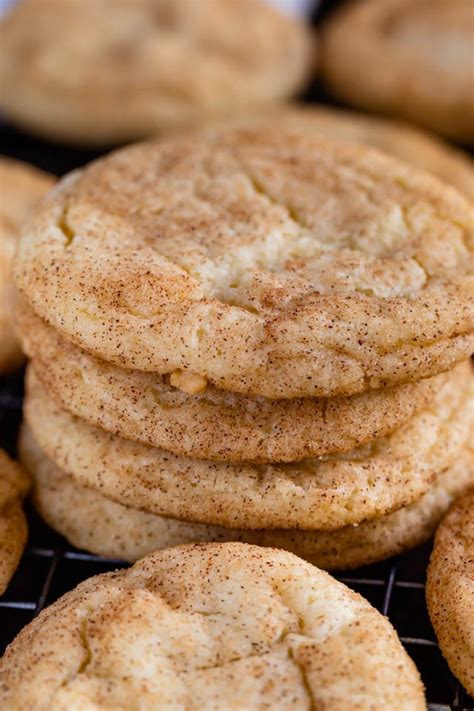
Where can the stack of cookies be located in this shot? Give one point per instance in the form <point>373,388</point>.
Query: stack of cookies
<point>256,335</point>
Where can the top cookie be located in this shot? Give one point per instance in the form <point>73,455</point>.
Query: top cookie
<point>21,188</point>
<point>101,72</point>
<point>271,263</point>
<point>412,58</point>
<point>211,626</point>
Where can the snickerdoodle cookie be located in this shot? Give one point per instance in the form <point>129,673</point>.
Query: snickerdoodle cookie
<point>328,492</point>
<point>269,263</point>
<point>213,424</point>
<point>97,72</point>
<point>450,589</point>
<point>211,626</point>
<point>412,58</point>
<point>401,140</point>
<point>14,484</point>
<point>91,521</point>
<point>21,187</point>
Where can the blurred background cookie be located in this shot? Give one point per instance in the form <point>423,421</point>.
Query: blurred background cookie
<point>400,139</point>
<point>21,188</point>
<point>408,58</point>
<point>100,72</point>
<point>14,485</point>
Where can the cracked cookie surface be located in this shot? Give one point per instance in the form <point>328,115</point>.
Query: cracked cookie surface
<point>85,73</point>
<point>426,73</point>
<point>91,521</point>
<point>213,424</point>
<point>327,492</point>
<point>450,589</point>
<point>268,262</point>
<point>22,187</point>
<point>14,484</point>
<point>401,140</point>
<point>210,626</point>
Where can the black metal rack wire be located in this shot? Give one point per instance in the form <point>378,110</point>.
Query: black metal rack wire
<point>50,566</point>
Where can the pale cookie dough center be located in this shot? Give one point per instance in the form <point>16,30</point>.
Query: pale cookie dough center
<point>177,648</point>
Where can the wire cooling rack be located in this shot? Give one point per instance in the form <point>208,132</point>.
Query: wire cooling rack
<point>50,566</point>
